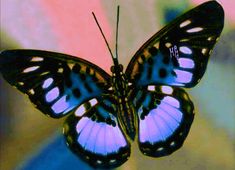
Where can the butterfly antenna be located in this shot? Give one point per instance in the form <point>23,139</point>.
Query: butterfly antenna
<point>117,32</point>
<point>103,35</point>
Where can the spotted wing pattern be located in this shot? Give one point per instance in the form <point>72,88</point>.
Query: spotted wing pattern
<point>178,54</point>
<point>94,134</point>
<point>165,115</point>
<point>56,83</point>
<point>175,56</point>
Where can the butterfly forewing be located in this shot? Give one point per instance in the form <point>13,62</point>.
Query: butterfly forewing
<point>55,83</point>
<point>165,115</point>
<point>94,134</point>
<point>178,54</point>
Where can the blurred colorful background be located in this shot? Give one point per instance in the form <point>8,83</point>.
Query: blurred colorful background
<point>31,141</point>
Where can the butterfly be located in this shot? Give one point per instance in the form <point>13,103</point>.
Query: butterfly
<point>147,102</point>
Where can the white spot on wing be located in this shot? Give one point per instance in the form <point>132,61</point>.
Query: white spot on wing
<point>160,149</point>
<point>93,102</point>
<point>80,111</point>
<point>167,89</point>
<point>172,143</point>
<point>204,51</point>
<point>60,70</point>
<point>156,45</point>
<point>112,160</point>
<point>185,50</point>
<point>210,38</point>
<point>186,63</point>
<point>196,29</point>
<point>36,59</point>
<point>31,91</point>
<point>184,40</point>
<point>30,69</point>
<point>110,88</point>
<point>183,76</point>
<point>71,65</point>
<point>21,83</point>
<point>44,73</point>
<point>168,45</point>
<point>99,161</point>
<point>151,88</point>
<point>52,94</point>
<point>185,23</point>
<point>47,83</point>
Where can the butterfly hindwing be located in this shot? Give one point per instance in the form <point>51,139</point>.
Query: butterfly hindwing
<point>178,54</point>
<point>54,82</point>
<point>165,115</point>
<point>94,134</point>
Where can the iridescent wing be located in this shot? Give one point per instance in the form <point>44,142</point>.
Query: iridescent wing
<point>94,134</point>
<point>56,83</point>
<point>178,54</point>
<point>165,115</point>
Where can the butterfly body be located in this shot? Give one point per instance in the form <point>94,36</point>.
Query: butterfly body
<point>146,102</point>
<point>125,108</point>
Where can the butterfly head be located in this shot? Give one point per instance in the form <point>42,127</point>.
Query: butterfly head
<point>115,69</point>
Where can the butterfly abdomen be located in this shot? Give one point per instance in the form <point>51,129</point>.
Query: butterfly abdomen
<point>127,118</point>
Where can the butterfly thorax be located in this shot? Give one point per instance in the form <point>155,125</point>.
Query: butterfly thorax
<point>126,115</point>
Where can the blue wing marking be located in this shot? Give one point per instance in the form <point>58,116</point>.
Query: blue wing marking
<point>186,63</point>
<point>160,122</point>
<point>165,115</point>
<point>47,83</point>
<point>52,94</point>
<point>159,72</point>
<point>182,76</point>
<point>63,102</point>
<point>99,138</point>
<point>62,105</point>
